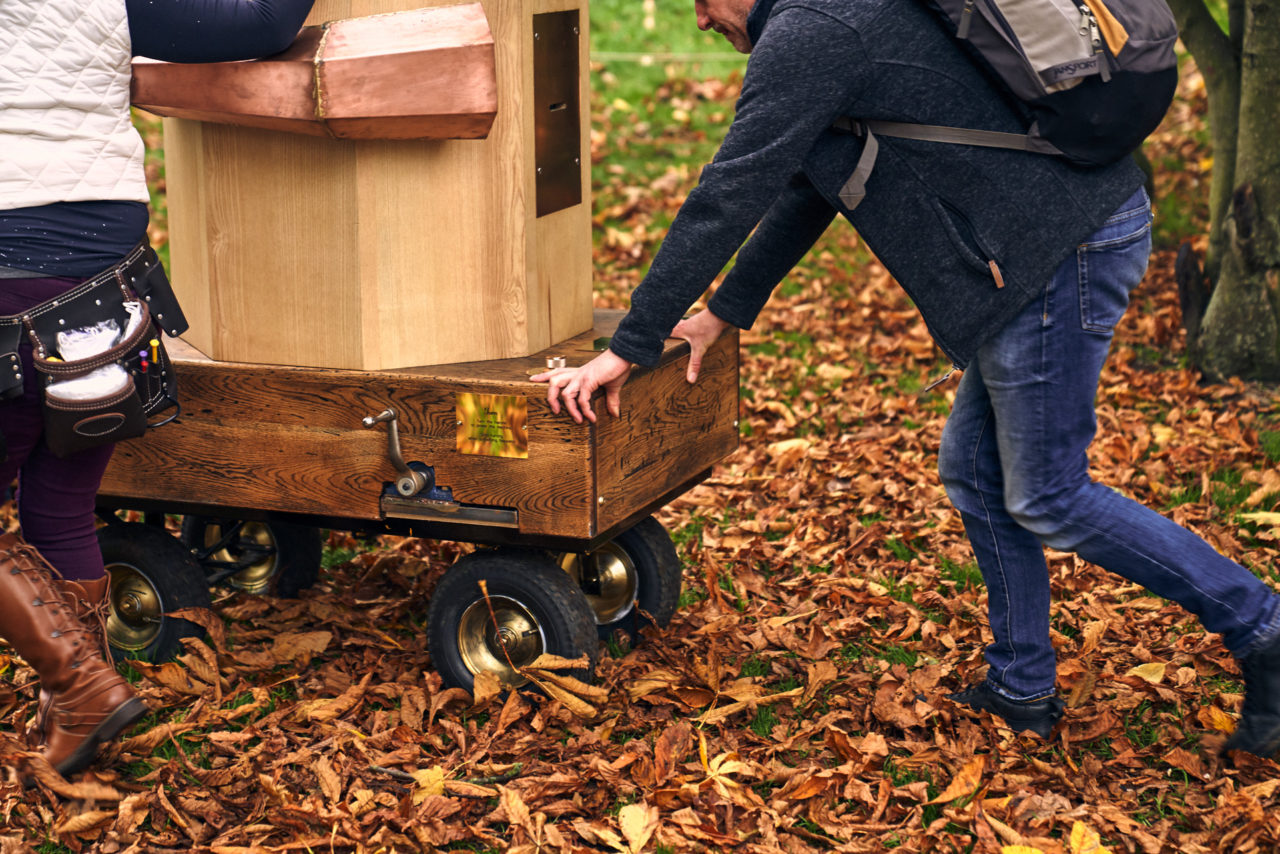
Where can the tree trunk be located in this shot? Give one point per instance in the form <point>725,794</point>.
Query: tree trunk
<point>1240,335</point>
<point>1217,56</point>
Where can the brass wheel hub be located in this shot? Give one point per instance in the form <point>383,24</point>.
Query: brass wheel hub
<point>255,578</point>
<point>136,611</point>
<point>501,642</point>
<point>608,577</point>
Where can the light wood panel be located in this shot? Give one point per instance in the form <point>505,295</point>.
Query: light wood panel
<point>371,255</point>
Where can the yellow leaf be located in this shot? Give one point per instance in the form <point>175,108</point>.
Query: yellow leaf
<point>638,822</point>
<point>1215,718</point>
<point>621,105</point>
<point>1086,841</point>
<point>1093,632</point>
<point>833,373</point>
<point>777,622</point>
<point>1262,518</point>
<point>430,781</point>
<point>575,704</point>
<point>1152,671</point>
<point>965,782</point>
<point>654,680</point>
<point>1262,790</point>
<point>485,689</point>
<point>547,661</point>
<point>788,452</point>
<point>1270,480</point>
<point>1162,433</point>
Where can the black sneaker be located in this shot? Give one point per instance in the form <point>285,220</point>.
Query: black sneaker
<point>1259,729</point>
<point>1038,716</point>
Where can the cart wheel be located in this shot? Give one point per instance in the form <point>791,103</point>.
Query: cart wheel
<point>638,567</point>
<point>151,575</point>
<point>277,558</point>
<point>531,608</point>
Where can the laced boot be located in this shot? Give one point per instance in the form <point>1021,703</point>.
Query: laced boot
<point>88,703</point>
<point>91,603</point>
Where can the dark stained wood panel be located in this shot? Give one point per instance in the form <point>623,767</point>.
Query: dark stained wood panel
<point>290,440</point>
<point>669,431</point>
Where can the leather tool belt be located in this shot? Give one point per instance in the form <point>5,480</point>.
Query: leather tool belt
<point>137,276</point>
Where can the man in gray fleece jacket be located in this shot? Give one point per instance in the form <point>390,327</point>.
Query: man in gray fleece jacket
<point>1021,264</point>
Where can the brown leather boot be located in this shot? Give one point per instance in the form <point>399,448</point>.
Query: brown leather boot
<point>91,603</point>
<point>90,703</point>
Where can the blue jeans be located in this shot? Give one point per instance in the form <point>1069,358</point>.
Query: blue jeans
<point>1013,461</point>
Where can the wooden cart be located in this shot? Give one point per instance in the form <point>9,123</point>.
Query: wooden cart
<point>408,185</point>
<point>264,456</point>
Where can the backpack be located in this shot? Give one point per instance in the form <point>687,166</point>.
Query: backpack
<point>1095,76</point>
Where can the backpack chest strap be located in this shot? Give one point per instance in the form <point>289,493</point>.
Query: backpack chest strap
<point>854,190</point>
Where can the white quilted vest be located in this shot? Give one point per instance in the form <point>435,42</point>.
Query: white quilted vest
<point>65,134</point>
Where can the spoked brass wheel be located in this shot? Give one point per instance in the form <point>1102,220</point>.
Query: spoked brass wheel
<point>136,615</point>
<point>152,575</point>
<point>527,606</point>
<point>631,581</point>
<point>608,578</point>
<point>502,641</point>
<point>273,558</point>
<point>254,543</point>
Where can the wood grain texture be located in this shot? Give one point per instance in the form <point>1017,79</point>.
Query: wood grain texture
<point>291,440</point>
<point>284,439</point>
<point>668,432</point>
<point>372,255</point>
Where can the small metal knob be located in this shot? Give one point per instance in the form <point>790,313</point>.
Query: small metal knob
<point>554,362</point>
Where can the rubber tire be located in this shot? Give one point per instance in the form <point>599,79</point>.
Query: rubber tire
<point>172,574</point>
<point>533,579</point>
<point>298,549</point>
<point>658,578</point>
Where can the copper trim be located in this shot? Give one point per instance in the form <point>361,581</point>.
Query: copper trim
<point>351,79</point>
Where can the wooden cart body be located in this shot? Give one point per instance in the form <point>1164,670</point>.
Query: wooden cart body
<point>260,441</point>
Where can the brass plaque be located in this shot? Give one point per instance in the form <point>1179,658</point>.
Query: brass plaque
<point>493,425</point>
<point>557,116</point>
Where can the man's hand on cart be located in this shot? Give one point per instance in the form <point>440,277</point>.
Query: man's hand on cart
<point>574,386</point>
<point>701,331</point>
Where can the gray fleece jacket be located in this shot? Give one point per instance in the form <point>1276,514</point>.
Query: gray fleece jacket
<point>935,214</point>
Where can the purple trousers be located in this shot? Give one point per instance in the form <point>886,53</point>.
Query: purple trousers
<point>56,496</point>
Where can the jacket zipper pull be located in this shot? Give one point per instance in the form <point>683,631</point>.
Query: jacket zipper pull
<point>995,274</point>
<point>939,381</point>
<point>962,31</point>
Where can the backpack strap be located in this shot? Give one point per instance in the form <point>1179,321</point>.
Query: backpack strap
<point>855,189</point>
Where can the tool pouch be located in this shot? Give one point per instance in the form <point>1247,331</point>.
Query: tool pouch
<point>76,422</point>
<point>136,285</point>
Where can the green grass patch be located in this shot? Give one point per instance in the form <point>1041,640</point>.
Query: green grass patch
<point>965,576</point>
<point>764,721</point>
<point>1270,442</point>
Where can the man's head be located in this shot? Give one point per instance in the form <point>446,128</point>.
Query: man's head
<point>728,18</point>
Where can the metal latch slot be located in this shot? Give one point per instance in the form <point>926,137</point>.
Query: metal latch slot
<point>557,113</point>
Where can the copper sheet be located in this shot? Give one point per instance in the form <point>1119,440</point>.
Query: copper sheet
<point>422,74</point>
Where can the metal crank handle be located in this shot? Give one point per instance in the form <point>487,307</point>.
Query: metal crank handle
<point>409,482</point>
